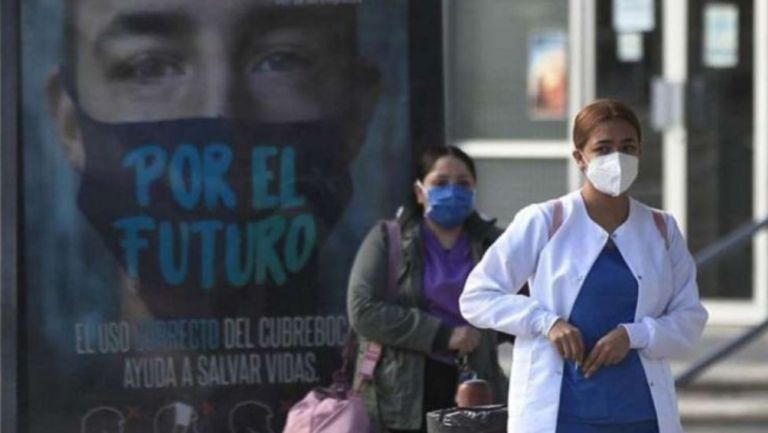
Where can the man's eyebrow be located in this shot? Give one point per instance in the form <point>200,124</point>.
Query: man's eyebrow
<point>146,23</point>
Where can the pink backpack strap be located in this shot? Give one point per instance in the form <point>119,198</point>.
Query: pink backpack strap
<point>661,225</point>
<point>368,364</point>
<point>373,350</point>
<point>557,216</point>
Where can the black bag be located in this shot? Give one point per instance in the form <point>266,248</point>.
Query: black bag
<point>479,419</point>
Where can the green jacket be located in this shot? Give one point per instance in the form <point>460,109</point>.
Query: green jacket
<point>408,334</point>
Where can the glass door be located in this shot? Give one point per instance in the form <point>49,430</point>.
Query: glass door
<point>720,125</point>
<point>695,71</point>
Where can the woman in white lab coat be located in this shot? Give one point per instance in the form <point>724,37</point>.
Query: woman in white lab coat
<point>613,295</point>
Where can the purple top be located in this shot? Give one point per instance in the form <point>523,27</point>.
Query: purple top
<point>445,272</point>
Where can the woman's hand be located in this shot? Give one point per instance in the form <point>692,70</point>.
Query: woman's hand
<point>567,340</point>
<point>464,340</point>
<point>610,350</point>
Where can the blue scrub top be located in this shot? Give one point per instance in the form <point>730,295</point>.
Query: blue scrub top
<point>615,394</point>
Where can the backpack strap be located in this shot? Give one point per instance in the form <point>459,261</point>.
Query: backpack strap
<point>661,225</point>
<point>557,216</point>
<point>394,255</point>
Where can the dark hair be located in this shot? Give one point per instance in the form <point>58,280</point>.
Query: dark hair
<point>599,111</point>
<point>425,164</point>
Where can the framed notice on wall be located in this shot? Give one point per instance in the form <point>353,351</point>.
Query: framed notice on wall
<point>721,35</point>
<point>183,198</point>
<point>547,75</point>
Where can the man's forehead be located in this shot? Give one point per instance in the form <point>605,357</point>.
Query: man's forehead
<point>94,15</point>
<point>110,7</point>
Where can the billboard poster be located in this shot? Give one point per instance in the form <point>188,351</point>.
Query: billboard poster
<point>197,177</point>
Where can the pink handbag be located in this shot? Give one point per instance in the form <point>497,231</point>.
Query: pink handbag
<point>339,408</point>
<point>336,409</point>
<point>326,411</point>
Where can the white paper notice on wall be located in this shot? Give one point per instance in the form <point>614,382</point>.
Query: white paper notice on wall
<point>721,35</point>
<point>629,47</point>
<point>630,16</point>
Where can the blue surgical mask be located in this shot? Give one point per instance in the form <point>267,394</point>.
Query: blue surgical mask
<point>449,205</point>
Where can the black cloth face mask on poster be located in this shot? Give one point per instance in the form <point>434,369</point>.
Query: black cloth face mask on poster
<point>215,216</point>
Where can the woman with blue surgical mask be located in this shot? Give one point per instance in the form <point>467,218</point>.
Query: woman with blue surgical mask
<point>613,295</point>
<point>423,335</point>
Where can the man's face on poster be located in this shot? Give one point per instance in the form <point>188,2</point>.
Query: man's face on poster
<point>256,60</point>
<point>152,60</point>
<point>213,136</point>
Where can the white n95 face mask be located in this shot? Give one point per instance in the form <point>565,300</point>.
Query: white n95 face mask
<point>612,174</point>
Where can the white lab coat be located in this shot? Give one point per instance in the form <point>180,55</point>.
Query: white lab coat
<point>668,321</point>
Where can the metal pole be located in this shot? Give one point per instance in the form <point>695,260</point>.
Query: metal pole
<point>721,248</point>
<point>729,348</point>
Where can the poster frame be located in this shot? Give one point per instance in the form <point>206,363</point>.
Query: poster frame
<point>10,166</point>
<point>427,128</point>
